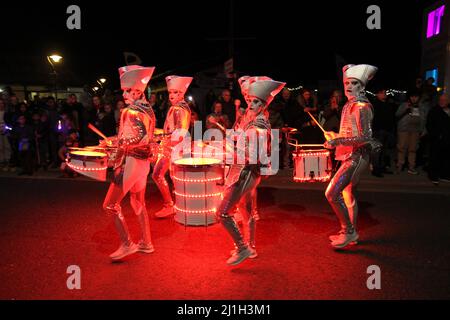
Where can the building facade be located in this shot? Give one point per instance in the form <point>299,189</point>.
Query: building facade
<point>436,44</point>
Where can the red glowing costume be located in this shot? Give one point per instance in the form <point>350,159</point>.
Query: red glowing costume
<point>243,179</point>
<point>132,164</point>
<point>353,145</point>
<point>178,118</point>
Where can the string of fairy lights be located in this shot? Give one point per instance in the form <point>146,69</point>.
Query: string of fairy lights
<point>389,92</point>
<point>296,88</point>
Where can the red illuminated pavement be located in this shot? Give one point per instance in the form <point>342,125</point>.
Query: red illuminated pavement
<point>48,223</point>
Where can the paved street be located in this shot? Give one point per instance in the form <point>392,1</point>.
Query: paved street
<point>48,223</point>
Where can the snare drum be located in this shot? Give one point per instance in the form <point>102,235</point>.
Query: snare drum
<point>208,149</point>
<point>312,165</point>
<point>93,164</point>
<point>198,184</point>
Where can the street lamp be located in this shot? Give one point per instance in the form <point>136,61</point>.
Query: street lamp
<point>101,82</point>
<point>54,59</point>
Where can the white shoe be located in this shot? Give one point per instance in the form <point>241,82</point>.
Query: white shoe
<point>145,247</point>
<point>336,236</point>
<point>252,256</point>
<point>344,239</point>
<point>123,251</point>
<point>166,211</point>
<point>240,256</point>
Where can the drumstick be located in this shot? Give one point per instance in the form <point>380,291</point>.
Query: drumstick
<point>220,126</point>
<point>305,145</point>
<point>314,119</point>
<point>90,126</point>
<point>311,145</point>
<point>76,148</point>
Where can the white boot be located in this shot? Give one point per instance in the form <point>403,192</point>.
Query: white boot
<point>166,211</point>
<point>252,256</point>
<point>344,239</point>
<point>124,250</point>
<point>240,255</point>
<point>145,247</point>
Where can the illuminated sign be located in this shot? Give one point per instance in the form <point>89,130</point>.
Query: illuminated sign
<point>434,21</point>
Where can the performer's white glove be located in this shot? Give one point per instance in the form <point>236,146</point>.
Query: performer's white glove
<point>110,142</point>
<point>330,135</point>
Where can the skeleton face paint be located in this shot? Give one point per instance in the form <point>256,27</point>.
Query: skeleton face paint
<point>255,106</point>
<point>175,96</point>
<point>352,88</point>
<point>131,95</point>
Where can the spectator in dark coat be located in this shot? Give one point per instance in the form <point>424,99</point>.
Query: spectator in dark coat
<point>384,131</point>
<point>24,137</point>
<point>106,122</point>
<point>438,127</point>
<point>228,107</point>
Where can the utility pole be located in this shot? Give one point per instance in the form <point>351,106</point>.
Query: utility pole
<point>231,31</point>
<point>230,62</point>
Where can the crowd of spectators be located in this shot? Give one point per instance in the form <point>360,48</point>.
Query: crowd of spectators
<point>35,135</point>
<point>413,129</point>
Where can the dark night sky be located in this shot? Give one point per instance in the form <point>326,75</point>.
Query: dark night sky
<point>292,41</point>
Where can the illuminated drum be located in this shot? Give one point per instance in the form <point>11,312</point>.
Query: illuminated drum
<point>198,190</point>
<point>111,153</point>
<point>208,149</point>
<point>93,164</point>
<point>312,165</point>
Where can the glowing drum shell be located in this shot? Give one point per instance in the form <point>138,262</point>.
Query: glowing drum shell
<point>198,184</point>
<point>312,165</point>
<point>209,149</point>
<point>93,164</point>
<point>111,153</point>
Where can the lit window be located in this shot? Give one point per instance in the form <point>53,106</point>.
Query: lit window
<point>433,73</point>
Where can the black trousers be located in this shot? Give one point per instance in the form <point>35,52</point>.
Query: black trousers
<point>383,157</point>
<point>26,160</point>
<point>439,160</point>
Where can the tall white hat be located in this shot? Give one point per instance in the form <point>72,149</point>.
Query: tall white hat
<point>361,72</point>
<point>243,83</point>
<point>178,83</point>
<point>135,77</point>
<point>264,88</point>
